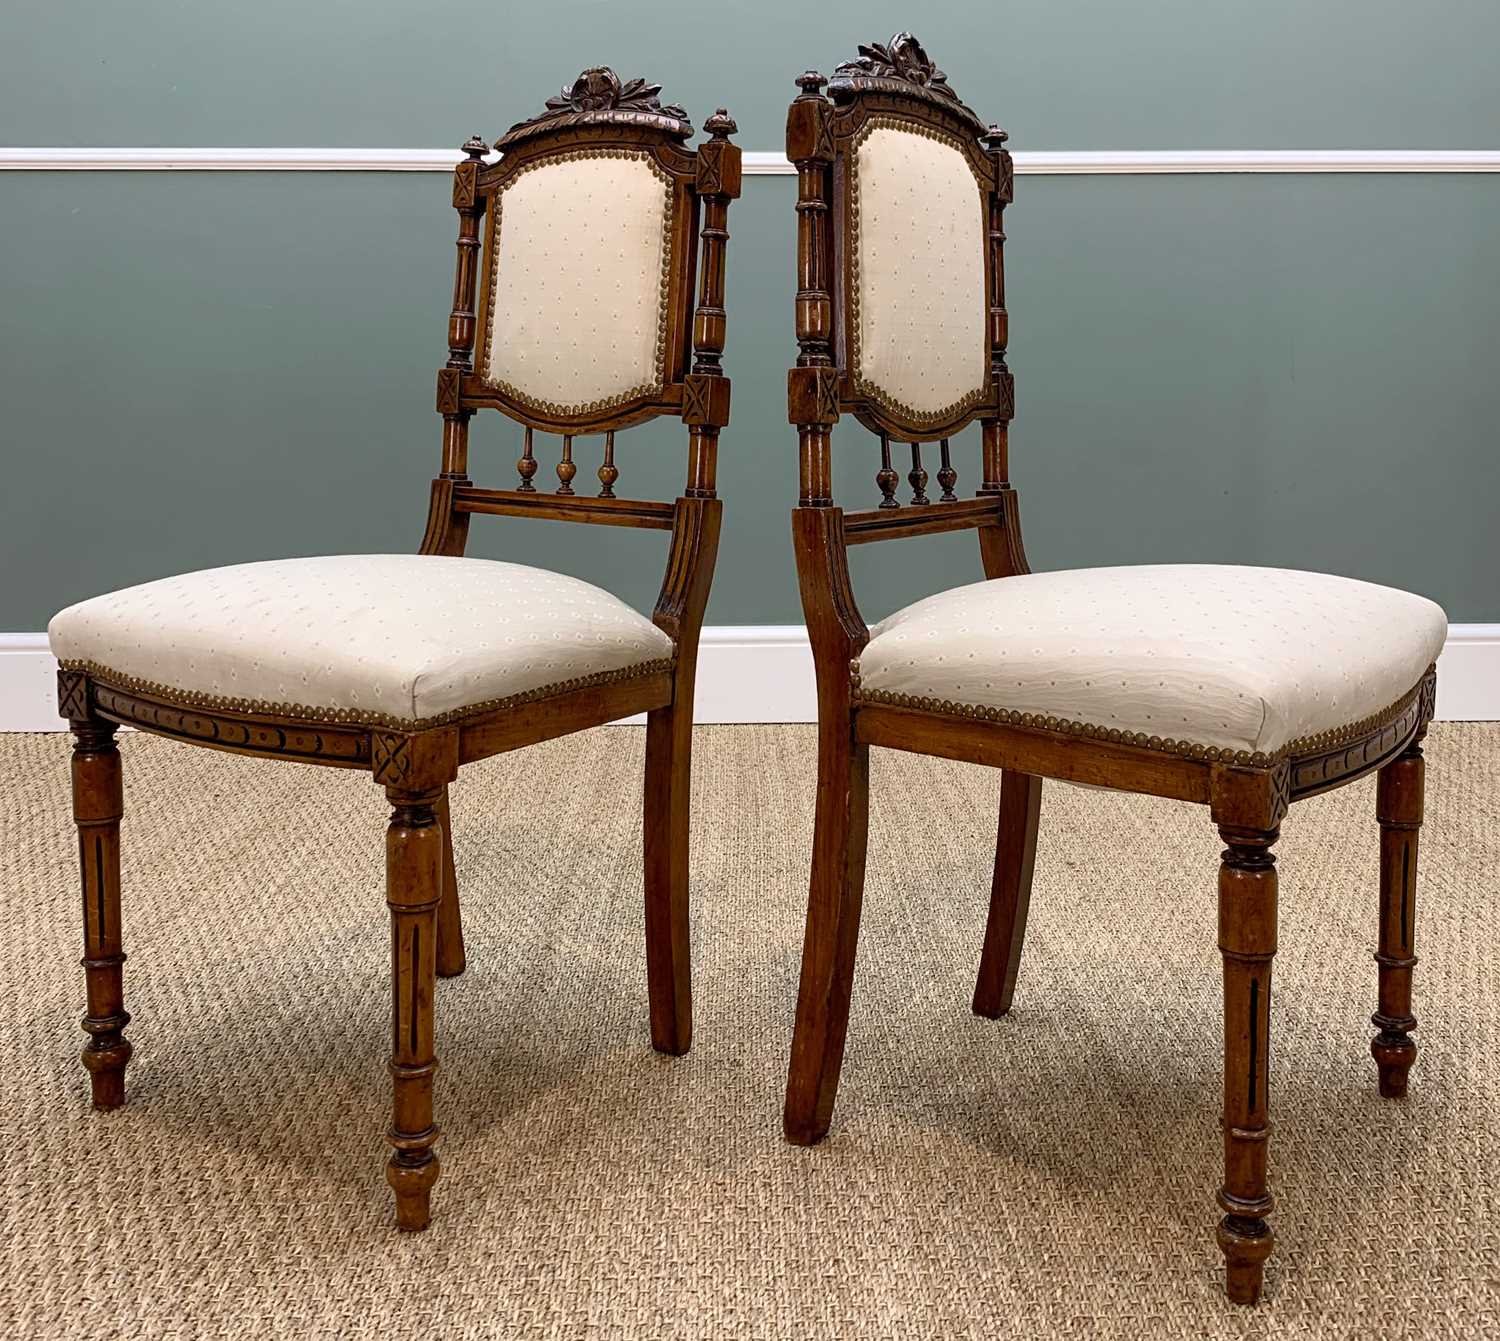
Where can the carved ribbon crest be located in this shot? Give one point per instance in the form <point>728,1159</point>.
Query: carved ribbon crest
<point>599,97</point>
<point>901,65</point>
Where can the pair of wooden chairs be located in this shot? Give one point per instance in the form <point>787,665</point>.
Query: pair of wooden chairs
<point>589,296</point>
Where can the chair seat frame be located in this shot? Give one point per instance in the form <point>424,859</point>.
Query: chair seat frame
<point>415,762</point>
<point>1247,796</point>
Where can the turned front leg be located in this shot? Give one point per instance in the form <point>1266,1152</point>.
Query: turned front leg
<point>1398,804</point>
<point>1247,940</point>
<point>98,803</point>
<point>413,872</point>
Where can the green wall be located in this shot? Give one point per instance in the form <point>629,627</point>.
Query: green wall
<point>1095,74</point>
<point>206,368</point>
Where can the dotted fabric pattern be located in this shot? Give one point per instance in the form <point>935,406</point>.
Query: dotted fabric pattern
<point>396,635</point>
<point>1216,655</point>
<point>922,340</point>
<point>579,282</point>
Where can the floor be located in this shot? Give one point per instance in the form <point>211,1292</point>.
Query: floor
<point>1050,1174</point>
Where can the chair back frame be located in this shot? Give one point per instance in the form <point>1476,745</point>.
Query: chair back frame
<point>599,115</point>
<point>895,84</point>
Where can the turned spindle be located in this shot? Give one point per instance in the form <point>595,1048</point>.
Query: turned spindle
<point>526,466</point>
<point>917,477</point>
<point>887,477</point>
<point>947,476</point>
<point>565,468</point>
<point>608,474</point>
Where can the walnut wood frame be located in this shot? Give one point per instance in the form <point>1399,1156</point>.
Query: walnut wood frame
<point>1246,801</point>
<point>416,762</point>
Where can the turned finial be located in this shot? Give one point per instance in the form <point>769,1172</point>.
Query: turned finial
<point>994,138</point>
<point>721,125</point>
<point>475,147</point>
<point>811,83</point>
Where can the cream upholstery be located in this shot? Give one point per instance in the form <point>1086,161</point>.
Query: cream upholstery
<point>368,637</point>
<point>577,316</point>
<point>919,297</point>
<point>1246,660</point>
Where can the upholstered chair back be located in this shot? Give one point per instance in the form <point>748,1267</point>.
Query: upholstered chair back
<point>579,287</point>
<point>901,279</point>
<point>916,239</point>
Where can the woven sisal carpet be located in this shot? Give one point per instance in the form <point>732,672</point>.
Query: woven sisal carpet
<point>1047,1175</point>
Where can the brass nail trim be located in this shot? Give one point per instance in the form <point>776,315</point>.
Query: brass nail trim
<point>192,698</point>
<point>1315,744</point>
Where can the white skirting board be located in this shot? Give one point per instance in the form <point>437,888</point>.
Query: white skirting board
<point>763,673</point>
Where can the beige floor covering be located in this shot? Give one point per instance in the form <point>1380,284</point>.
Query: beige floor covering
<point>1047,1175</point>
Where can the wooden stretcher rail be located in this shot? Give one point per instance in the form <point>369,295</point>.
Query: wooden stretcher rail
<point>601,511</point>
<point>860,528</point>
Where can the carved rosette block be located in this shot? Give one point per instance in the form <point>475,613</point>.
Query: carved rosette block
<point>705,400</point>
<point>415,759</point>
<point>812,395</point>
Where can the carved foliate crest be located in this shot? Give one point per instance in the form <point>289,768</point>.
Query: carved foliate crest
<point>902,58</point>
<point>901,66</point>
<point>598,97</point>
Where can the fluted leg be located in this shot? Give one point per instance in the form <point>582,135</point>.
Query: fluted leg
<point>413,872</point>
<point>828,948</point>
<point>1247,940</point>
<point>450,932</point>
<point>1010,893</point>
<point>1398,804</point>
<point>669,971</point>
<point>98,803</point>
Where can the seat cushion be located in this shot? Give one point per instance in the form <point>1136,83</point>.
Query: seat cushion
<point>1202,659</point>
<point>385,639</point>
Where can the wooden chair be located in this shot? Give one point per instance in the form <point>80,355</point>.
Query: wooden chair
<point>411,666</point>
<point>1243,689</point>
